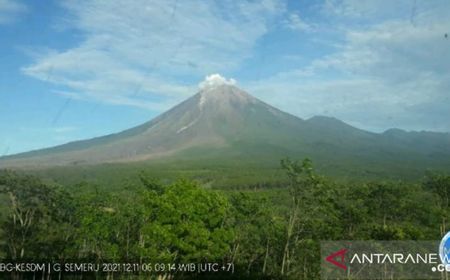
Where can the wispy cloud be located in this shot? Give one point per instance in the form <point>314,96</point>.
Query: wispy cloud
<point>369,9</point>
<point>386,73</point>
<point>10,11</point>
<point>374,63</point>
<point>135,53</point>
<point>295,22</point>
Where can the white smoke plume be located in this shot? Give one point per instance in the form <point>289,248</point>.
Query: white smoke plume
<point>215,80</point>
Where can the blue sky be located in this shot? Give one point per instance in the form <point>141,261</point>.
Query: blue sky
<point>72,70</point>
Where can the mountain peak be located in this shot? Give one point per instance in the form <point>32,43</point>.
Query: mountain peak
<point>222,120</point>
<point>218,90</point>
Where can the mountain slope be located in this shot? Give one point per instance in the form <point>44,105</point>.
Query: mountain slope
<point>222,121</point>
<point>215,117</point>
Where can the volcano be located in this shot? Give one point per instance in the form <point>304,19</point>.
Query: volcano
<point>223,121</point>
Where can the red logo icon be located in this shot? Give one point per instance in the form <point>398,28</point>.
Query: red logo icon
<point>338,255</point>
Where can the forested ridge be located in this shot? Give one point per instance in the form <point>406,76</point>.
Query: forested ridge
<point>267,233</point>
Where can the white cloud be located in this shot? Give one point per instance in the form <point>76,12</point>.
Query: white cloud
<point>137,53</point>
<point>365,102</point>
<point>376,11</point>
<point>386,63</point>
<point>215,80</point>
<point>10,11</point>
<point>392,73</point>
<point>366,9</point>
<point>294,22</point>
<point>394,50</point>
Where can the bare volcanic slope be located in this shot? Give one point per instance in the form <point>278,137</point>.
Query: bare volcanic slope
<point>222,121</point>
<point>214,118</point>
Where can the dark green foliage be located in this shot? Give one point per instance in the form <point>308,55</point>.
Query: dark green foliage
<point>440,186</point>
<point>268,230</point>
<point>185,223</point>
<point>33,210</point>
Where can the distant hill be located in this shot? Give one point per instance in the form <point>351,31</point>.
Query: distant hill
<point>222,122</point>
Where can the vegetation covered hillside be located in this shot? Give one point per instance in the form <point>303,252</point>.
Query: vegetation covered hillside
<point>271,233</point>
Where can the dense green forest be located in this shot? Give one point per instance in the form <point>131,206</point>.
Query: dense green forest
<point>266,231</point>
